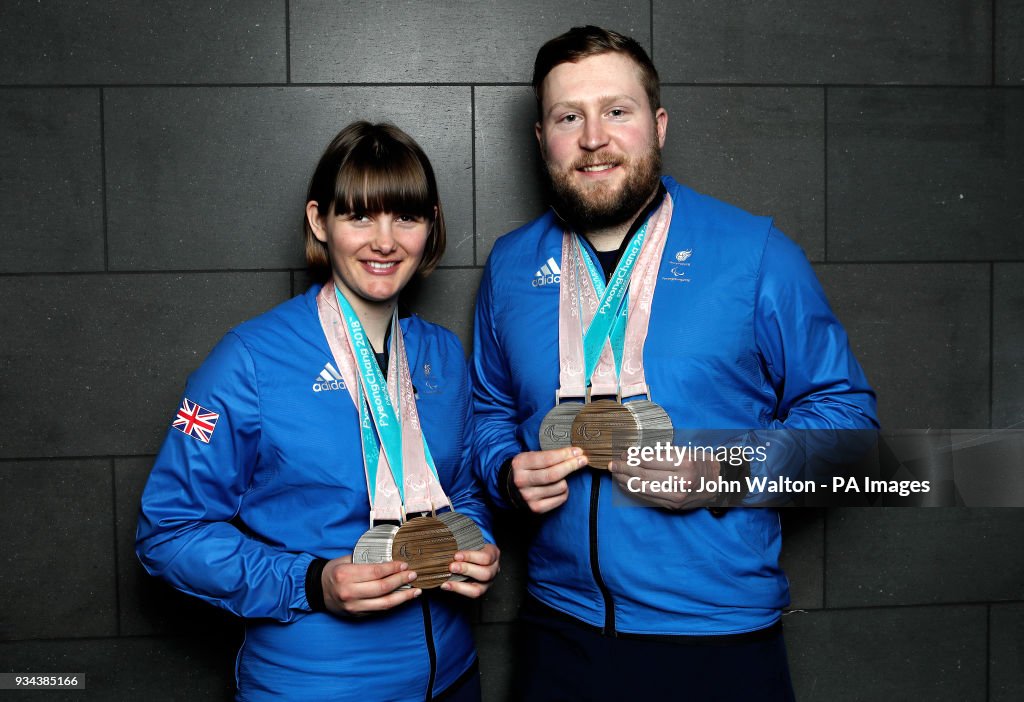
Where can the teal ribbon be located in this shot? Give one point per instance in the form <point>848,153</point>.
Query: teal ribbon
<point>609,322</point>
<point>378,418</point>
<point>380,422</point>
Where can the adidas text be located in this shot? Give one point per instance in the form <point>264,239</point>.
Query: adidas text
<point>321,386</point>
<point>546,280</point>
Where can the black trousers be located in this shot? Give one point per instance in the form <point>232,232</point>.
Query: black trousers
<point>465,689</point>
<point>564,660</point>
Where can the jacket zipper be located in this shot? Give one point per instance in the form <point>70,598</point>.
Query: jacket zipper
<point>428,631</point>
<point>595,566</point>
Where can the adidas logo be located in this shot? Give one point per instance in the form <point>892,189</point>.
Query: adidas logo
<point>329,379</point>
<point>549,273</point>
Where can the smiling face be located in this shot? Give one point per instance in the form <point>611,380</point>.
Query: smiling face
<point>373,256</point>
<point>600,140</point>
<point>373,217</point>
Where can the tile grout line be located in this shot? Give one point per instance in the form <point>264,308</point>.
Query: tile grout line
<point>117,565</point>
<point>988,651</point>
<point>498,84</point>
<point>824,184</point>
<point>993,39</point>
<point>287,42</point>
<point>103,182</point>
<point>472,158</point>
<point>991,343</point>
<point>651,23</point>
<point>824,558</point>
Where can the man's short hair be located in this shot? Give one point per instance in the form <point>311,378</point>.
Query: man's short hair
<point>583,42</point>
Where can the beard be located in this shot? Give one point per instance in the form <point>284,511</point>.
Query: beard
<point>599,206</point>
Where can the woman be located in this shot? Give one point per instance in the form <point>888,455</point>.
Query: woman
<point>282,455</point>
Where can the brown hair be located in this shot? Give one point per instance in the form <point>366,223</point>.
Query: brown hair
<point>373,168</point>
<point>583,42</point>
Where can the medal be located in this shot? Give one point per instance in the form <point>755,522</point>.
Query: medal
<point>427,544</point>
<point>556,429</point>
<point>400,472</point>
<point>606,428</point>
<point>610,350</point>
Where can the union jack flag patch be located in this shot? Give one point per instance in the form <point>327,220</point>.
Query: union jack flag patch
<point>195,420</point>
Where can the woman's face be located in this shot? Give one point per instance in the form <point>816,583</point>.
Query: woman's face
<point>373,256</point>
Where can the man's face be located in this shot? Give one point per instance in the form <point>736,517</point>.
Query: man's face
<point>600,141</point>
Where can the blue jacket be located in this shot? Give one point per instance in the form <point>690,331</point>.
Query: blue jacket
<point>741,337</point>
<point>284,462</point>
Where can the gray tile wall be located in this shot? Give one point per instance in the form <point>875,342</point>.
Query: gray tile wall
<point>153,162</point>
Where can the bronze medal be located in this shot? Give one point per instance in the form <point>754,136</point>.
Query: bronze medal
<point>606,428</point>
<point>603,429</point>
<point>427,544</point>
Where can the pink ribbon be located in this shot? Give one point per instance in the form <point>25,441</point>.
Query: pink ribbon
<point>423,492</point>
<point>577,304</point>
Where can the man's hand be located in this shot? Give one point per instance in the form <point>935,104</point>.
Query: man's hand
<point>481,566</point>
<point>360,588</point>
<point>540,476</point>
<point>659,471</point>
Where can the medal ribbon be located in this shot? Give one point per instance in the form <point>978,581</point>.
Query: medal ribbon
<point>582,299</point>
<point>610,320</point>
<point>402,477</point>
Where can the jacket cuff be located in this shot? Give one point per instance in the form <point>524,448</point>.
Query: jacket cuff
<point>508,487</point>
<point>315,586</point>
<point>728,471</point>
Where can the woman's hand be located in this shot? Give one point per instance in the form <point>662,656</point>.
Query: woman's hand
<point>480,565</point>
<point>360,588</point>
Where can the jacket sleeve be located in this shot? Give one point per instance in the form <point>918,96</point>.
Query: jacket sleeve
<point>825,416</point>
<point>494,438</point>
<point>806,352</point>
<point>185,533</point>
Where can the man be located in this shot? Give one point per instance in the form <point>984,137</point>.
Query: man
<point>667,598</point>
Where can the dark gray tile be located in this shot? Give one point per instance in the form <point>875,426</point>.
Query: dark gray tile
<point>824,41</point>
<point>142,41</point>
<point>58,576</point>
<point>444,42</point>
<point>1006,672</point>
<point>147,604</point>
<point>214,178</point>
<point>1008,340</point>
<point>95,365</point>
<point>1009,53</point>
<point>921,332</point>
<point>503,600</point>
<point>900,556</point>
<point>156,670</point>
<point>447,298</point>
<point>510,176</point>
<point>925,175</point>
<point>762,149</point>
<point>907,653</point>
<point>803,556</point>
<point>495,645</point>
<point>51,202</point>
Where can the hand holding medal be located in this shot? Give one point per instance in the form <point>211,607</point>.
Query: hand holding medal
<point>359,588</point>
<point>539,476</point>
